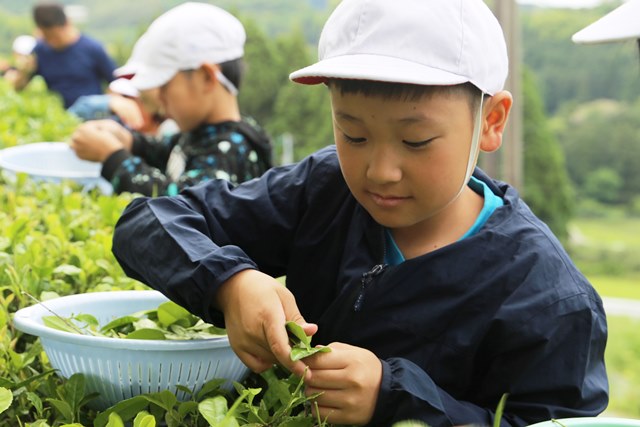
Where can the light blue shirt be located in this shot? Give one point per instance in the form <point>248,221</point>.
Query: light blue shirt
<point>393,255</point>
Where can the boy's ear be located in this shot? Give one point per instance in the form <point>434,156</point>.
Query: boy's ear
<point>209,71</point>
<point>496,113</point>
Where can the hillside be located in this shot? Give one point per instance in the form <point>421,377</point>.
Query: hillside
<point>121,21</point>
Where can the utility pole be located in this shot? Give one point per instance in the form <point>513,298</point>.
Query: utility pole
<point>507,163</point>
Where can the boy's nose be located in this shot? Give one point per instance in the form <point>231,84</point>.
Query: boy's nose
<point>384,166</point>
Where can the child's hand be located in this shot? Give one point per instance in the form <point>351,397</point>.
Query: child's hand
<point>94,143</point>
<point>349,379</point>
<point>256,308</point>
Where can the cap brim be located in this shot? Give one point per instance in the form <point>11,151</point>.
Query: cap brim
<point>618,25</point>
<point>127,71</point>
<point>150,78</point>
<point>375,68</point>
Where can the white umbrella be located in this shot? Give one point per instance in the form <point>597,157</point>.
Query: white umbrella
<point>622,23</point>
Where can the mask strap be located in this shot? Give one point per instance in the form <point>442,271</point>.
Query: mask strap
<point>475,145</point>
<point>224,81</point>
<point>475,142</point>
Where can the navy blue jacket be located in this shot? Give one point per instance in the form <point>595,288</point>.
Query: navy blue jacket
<point>503,311</point>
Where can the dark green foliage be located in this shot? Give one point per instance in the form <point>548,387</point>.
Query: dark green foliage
<point>547,188</point>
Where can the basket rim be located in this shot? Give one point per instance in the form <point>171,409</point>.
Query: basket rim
<point>6,163</point>
<point>589,422</point>
<point>28,320</point>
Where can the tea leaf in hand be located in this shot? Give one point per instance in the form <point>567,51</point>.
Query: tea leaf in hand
<point>301,343</point>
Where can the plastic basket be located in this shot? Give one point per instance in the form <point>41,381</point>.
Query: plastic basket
<point>53,162</point>
<point>122,368</point>
<point>589,422</point>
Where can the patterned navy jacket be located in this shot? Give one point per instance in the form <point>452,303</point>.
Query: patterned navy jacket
<point>234,151</point>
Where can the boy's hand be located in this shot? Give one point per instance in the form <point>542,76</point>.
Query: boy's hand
<point>128,110</point>
<point>96,140</point>
<point>256,308</point>
<point>349,379</point>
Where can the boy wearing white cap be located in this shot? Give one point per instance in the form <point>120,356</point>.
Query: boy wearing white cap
<point>187,67</point>
<point>435,286</point>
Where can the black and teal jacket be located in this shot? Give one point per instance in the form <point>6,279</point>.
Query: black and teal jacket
<point>233,151</point>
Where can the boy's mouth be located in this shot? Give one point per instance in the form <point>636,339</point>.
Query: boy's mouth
<point>386,200</point>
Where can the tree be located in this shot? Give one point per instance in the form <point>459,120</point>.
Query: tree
<point>603,135</point>
<point>302,111</point>
<point>547,188</point>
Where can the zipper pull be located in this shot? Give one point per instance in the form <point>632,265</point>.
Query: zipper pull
<point>366,279</point>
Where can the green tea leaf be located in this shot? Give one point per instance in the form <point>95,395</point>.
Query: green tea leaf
<point>68,270</point>
<point>115,420</point>
<point>62,407</point>
<point>300,353</point>
<point>144,419</point>
<point>59,324</point>
<point>298,333</point>
<point>74,391</point>
<point>87,319</point>
<point>170,313</point>
<point>301,343</point>
<point>499,410</point>
<point>127,409</point>
<point>118,323</point>
<point>146,334</point>
<point>6,397</point>
<point>213,410</point>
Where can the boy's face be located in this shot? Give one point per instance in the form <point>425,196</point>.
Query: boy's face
<point>180,99</point>
<point>403,160</point>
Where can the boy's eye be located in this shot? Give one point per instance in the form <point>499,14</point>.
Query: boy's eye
<point>418,144</point>
<point>353,140</point>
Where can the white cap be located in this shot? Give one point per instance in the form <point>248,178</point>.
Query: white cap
<point>184,38</point>
<point>124,87</point>
<point>623,23</point>
<point>24,45</point>
<point>424,42</point>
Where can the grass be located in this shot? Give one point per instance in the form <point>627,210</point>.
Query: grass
<point>618,287</point>
<point>606,251</point>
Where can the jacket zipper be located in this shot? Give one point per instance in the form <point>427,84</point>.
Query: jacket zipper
<point>366,279</point>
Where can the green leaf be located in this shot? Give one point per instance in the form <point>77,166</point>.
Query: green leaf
<point>6,397</point>
<point>164,399</point>
<point>67,270</point>
<point>499,410</point>
<point>73,425</point>
<point>59,324</point>
<point>115,420</point>
<point>87,319</point>
<point>36,401</point>
<point>74,391</point>
<point>209,387</point>
<point>127,409</point>
<point>301,353</point>
<point>301,343</point>
<point>144,419</point>
<point>170,312</point>
<point>63,408</point>
<point>118,323</point>
<point>146,334</point>
<point>298,333</point>
<point>213,410</point>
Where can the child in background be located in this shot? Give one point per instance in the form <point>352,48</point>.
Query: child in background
<point>435,286</point>
<point>187,67</point>
<point>72,64</point>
